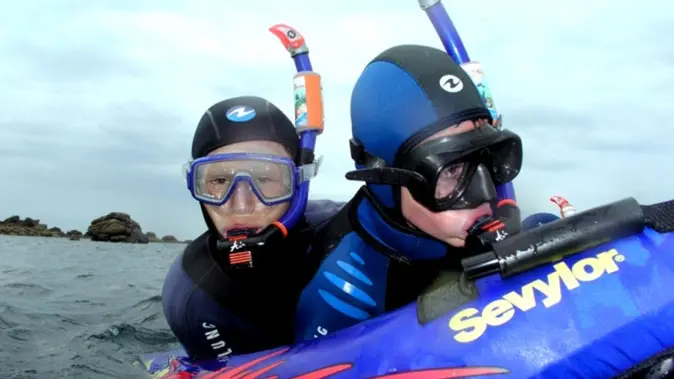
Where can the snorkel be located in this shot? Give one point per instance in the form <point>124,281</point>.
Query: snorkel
<point>308,124</point>
<point>451,40</point>
<point>565,208</point>
<point>308,115</point>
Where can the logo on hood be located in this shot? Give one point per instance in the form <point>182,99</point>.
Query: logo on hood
<point>240,113</point>
<point>451,83</point>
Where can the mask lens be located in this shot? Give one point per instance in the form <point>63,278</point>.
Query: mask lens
<point>449,180</point>
<point>216,181</point>
<point>272,180</point>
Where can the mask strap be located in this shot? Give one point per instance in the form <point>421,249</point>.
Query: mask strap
<point>364,158</point>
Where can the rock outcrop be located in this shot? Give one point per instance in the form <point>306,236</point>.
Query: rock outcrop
<point>152,237</point>
<point>169,238</point>
<point>113,227</point>
<point>74,235</point>
<point>15,226</point>
<point>116,227</point>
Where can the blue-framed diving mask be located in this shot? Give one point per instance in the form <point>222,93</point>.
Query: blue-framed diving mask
<point>272,179</point>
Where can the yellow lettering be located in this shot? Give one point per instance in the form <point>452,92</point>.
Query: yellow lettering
<point>498,312</point>
<point>608,260</point>
<point>466,319</point>
<point>580,271</point>
<point>524,301</point>
<point>471,323</point>
<point>565,274</point>
<point>552,289</point>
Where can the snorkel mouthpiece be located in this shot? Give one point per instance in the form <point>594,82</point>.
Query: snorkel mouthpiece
<point>239,232</point>
<point>488,230</point>
<point>485,231</point>
<point>243,246</point>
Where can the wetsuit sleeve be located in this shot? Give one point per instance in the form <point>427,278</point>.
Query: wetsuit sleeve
<point>205,328</point>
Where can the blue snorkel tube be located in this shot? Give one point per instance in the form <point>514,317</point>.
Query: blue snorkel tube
<point>449,36</point>
<point>308,117</point>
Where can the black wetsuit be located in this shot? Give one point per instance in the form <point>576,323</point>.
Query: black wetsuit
<point>215,313</point>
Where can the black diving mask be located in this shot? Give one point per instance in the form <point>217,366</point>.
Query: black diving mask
<point>454,172</point>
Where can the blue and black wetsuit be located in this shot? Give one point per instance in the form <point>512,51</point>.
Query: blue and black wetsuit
<point>369,259</point>
<point>215,313</point>
<point>366,266</point>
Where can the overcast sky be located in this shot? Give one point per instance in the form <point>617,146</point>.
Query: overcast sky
<point>100,98</point>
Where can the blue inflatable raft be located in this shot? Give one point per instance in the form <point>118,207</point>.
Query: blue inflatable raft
<point>587,296</point>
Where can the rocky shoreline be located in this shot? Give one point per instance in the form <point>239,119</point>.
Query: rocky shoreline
<point>113,227</point>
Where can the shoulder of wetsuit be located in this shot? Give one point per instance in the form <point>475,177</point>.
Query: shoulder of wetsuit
<point>249,294</point>
<point>318,212</point>
<point>195,251</point>
<point>202,302</point>
<point>328,235</point>
<point>199,265</point>
<point>406,280</point>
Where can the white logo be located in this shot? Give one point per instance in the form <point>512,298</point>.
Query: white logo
<point>237,245</point>
<point>501,235</point>
<point>211,334</point>
<point>451,83</point>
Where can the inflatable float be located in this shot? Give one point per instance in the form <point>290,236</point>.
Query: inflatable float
<point>587,295</point>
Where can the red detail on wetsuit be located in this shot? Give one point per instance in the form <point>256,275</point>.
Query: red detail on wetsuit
<point>240,258</point>
<point>444,373</point>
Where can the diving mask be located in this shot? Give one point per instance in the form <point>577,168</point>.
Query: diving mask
<point>453,172</point>
<point>273,180</point>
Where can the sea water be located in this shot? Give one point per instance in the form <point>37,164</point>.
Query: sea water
<point>81,309</point>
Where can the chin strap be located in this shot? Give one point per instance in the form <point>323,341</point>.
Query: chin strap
<point>245,250</point>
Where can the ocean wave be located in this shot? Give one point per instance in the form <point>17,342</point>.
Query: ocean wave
<point>69,311</point>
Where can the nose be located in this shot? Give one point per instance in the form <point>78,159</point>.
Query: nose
<point>243,199</point>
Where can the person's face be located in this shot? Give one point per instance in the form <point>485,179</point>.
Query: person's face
<point>243,210</point>
<point>449,226</point>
